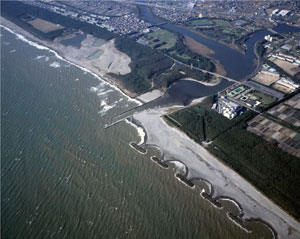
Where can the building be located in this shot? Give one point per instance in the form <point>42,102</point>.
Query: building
<point>287,47</point>
<point>269,38</point>
<point>288,83</point>
<point>228,108</point>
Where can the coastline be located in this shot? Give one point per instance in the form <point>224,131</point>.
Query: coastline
<point>44,45</point>
<point>225,183</point>
<point>145,126</point>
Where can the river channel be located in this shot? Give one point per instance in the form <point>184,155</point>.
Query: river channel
<point>237,65</point>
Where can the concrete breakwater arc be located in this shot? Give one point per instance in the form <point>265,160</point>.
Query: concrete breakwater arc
<point>183,169</point>
<point>224,181</point>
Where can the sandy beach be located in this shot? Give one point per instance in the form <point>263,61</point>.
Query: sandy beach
<point>212,83</point>
<point>149,96</point>
<point>177,146</point>
<point>110,61</point>
<point>226,183</point>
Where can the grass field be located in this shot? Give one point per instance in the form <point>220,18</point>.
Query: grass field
<point>263,98</point>
<point>223,23</point>
<point>164,38</point>
<point>182,56</point>
<point>201,22</point>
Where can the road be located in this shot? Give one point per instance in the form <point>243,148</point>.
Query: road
<point>204,71</point>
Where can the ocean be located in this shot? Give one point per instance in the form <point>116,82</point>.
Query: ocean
<point>64,176</point>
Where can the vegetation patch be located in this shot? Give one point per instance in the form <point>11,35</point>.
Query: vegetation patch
<point>146,64</point>
<point>203,124</point>
<point>264,98</point>
<point>271,170</point>
<point>161,39</point>
<point>201,22</point>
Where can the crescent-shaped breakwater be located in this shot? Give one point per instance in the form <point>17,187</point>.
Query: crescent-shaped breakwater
<point>239,222</point>
<point>159,162</point>
<point>214,202</point>
<point>138,148</point>
<point>184,180</point>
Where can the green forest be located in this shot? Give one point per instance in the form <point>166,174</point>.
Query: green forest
<point>271,170</point>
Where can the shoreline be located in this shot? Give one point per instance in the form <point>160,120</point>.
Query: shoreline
<point>218,81</point>
<point>107,81</point>
<point>199,163</point>
<point>44,45</point>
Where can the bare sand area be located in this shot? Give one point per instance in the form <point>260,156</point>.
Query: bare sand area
<point>149,96</point>
<point>265,78</point>
<point>44,26</point>
<point>203,50</point>
<point>289,67</point>
<point>281,88</point>
<point>213,82</point>
<point>110,61</point>
<point>175,145</point>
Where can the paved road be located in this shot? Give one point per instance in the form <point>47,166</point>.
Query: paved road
<point>204,71</point>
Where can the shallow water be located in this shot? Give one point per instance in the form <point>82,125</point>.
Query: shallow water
<point>74,41</point>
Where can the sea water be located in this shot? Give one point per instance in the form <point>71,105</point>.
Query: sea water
<point>64,176</point>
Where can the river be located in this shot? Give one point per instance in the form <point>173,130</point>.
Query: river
<point>237,65</point>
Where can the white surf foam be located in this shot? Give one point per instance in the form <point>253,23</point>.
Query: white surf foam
<point>179,166</point>
<point>140,131</point>
<point>105,107</point>
<point>12,51</point>
<point>39,57</point>
<point>93,89</point>
<point>55,64</point>
<point>41,47</point>
<point>234,202</point>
